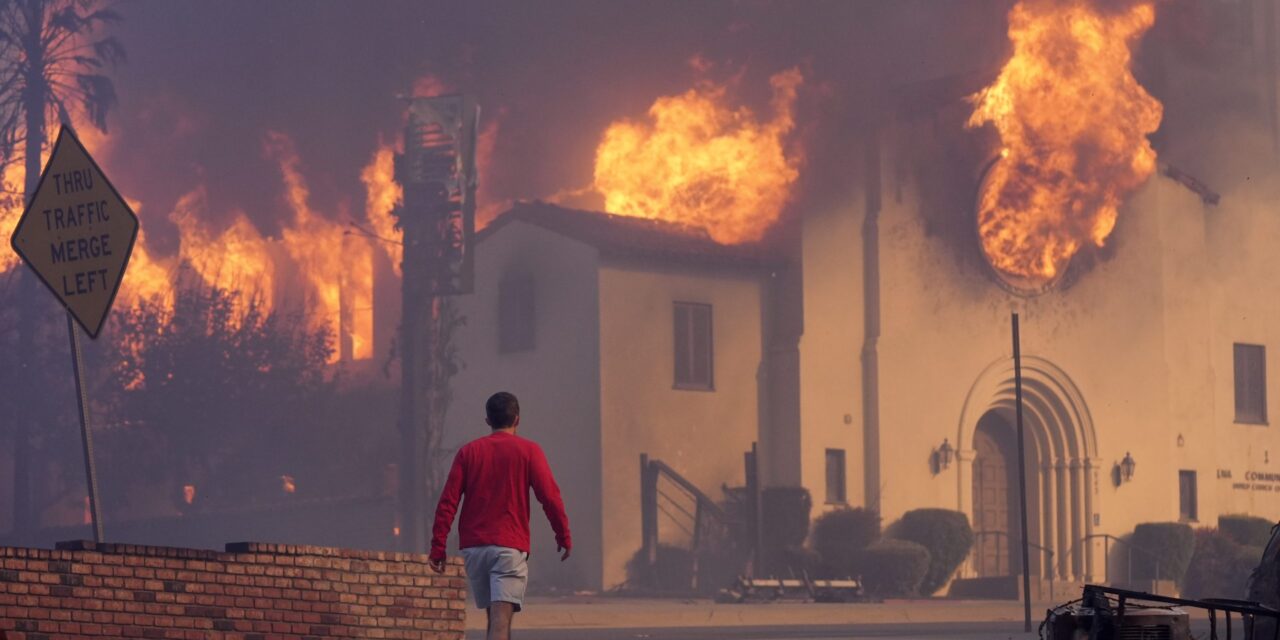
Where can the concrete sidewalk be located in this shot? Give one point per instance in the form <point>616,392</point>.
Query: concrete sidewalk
<point>603,612</point>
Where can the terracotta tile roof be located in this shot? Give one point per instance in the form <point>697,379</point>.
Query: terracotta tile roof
<point>634,238</point>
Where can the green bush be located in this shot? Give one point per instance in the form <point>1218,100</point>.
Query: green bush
<point>1250,531</point>
<point>839,537</point>
<point>946,534</point>
<point>1220,566</point>
<point>673,570</point>
<point>894,568</point>
<point>1165,547</point>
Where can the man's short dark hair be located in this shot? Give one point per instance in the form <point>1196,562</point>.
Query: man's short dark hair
<point>502,409</point>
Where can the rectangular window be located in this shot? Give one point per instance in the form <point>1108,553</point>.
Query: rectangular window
<point>835,476</point>
<point>1187,507</point>
<point>1251,383</point>
<point>516,322</point>
<point>693,357</point>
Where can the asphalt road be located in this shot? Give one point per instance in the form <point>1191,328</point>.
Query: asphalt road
<point>903,631</point>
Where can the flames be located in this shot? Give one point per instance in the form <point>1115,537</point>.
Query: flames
<point>1073,122</point>
<point>235,259</point>
<point>384,195</point>
<point>703,162</point>
<point>314,263</point>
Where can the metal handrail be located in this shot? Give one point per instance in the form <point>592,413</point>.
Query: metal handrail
<point>978,535</point>
<point>702,498</point>
<point>1106,554</point>
<point>653,500</point>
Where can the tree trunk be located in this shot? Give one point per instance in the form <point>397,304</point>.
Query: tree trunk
<point>33,101</point>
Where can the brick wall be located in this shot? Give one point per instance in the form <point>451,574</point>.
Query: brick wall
<point>252,591</point>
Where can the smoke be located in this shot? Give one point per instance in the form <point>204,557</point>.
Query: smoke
<point>206,82</point>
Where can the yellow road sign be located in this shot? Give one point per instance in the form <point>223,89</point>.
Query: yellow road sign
<point>77,233</point>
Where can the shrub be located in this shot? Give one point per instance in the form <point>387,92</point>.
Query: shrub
<point>1250,531</point>
<point>1220,567</point>
<point>946,534</point>
<point>673,570</point>
<point>1170,544</point>
<point>840,536</point>
<point>894,568</point>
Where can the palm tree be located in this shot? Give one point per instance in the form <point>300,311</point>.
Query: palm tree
<point>52,64</point>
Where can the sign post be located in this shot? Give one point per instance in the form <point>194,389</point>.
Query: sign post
<point>77,234</point>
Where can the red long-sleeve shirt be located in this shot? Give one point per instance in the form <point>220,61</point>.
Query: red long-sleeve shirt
<point>495,473</point>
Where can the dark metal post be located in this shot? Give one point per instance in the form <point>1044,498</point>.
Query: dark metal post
<point>648,510</point>
<point>1022,478</point>
<point>1106,559</point>
<point>86,434</point>
<point>751,459</point>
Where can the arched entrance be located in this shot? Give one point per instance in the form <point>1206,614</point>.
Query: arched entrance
<point>1061,455</point>
<point>995,505</point>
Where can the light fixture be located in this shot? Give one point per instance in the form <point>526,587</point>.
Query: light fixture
<point>1126,467</point>
<point>945,453</point>
<point>1181,441</point>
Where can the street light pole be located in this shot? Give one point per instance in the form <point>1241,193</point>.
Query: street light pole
<point>1022,478</point>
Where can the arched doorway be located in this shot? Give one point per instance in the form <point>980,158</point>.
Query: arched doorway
<point>995,505</point>
<point>1061,464</point>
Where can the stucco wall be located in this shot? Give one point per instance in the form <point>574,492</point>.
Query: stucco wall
<point>830,351</point>
<point>1144,335</point>
<point>557,383</point>
<point>1245,296</point>
<point>702,434</point>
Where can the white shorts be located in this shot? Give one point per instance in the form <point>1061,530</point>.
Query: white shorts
<point>497,574</point>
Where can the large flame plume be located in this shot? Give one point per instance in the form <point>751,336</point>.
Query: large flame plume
<point>1073,122</point>
<point>337,265</point>
<point>333,267</point>
<point>703,162</point>
<point>384,194</point>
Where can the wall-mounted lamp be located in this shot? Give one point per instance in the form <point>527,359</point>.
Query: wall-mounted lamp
<point>1181,441</point>
<point>1126,467</point>
<point>945,454</point>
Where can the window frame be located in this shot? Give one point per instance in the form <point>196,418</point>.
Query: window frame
<point>1239,392</point>
<point>689,384</point>
<point>509,341</point>
<point>842,486</point>
<point>1192,500</point>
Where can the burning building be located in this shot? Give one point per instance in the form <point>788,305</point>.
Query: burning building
<point>867,350</point>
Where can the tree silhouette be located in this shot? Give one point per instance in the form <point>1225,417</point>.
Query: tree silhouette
<point>216,391</point>
<point>52,64</point>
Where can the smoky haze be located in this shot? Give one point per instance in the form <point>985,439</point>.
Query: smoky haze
<point>254,125</point>
<point>205,82</point>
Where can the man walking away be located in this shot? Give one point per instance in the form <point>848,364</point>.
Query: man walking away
<point>495,474</point>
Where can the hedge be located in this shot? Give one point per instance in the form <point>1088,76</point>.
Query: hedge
<point>1171,543</point>
<point>1220,567</point>
<point>1250,531</point>
<point>894,568</point>
<point>841,535</point>
<point>946,534</point>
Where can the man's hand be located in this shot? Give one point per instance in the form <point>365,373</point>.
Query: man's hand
<point>565,553</point>
<point>437,565</point>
